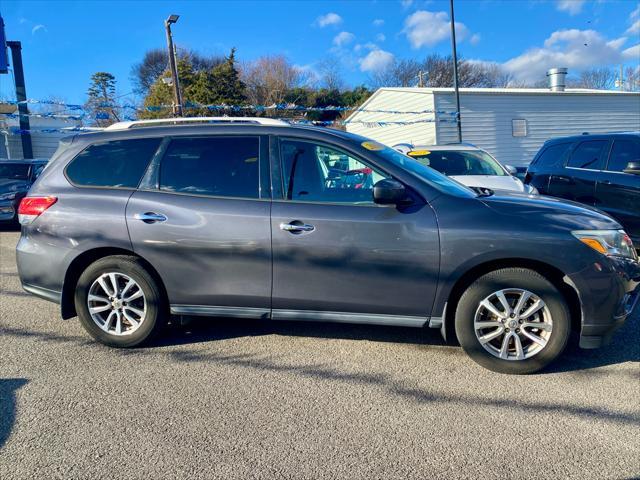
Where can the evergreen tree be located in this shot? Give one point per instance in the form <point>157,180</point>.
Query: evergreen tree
<point>101,101</point>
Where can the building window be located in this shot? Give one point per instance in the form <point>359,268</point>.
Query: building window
<point>519,127</point>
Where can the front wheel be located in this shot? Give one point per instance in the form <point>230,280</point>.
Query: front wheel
<point>513,320</point>
<point>118,302</point>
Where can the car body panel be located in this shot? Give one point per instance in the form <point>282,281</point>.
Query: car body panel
<point>494,182</point>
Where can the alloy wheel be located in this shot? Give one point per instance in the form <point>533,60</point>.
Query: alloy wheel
<point>513,324</point>
<point>117,303</point>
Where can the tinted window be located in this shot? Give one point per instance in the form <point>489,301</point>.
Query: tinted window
<point>460,162</point>
<point>552,155</point>
<point>315,173</point>
<point>14,171</point>
<point>623,152</point>
<point>113,164</point>
<point>588,155</point>
<point>218,166</point>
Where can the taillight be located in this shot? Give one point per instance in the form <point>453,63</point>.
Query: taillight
<point>32,207</point>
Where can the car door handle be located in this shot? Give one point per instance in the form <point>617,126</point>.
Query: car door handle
<point>150,217</point>
<point>297,227</point>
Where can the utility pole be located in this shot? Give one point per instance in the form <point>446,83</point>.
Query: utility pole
<point>177,104</point>
<point>21,96</point>
<point>455,71</point>
<point>421,79</point>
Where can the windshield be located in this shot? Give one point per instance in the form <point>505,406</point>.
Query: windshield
<point>433,177</point>
<point>14,171</point>
<point>460,162</point>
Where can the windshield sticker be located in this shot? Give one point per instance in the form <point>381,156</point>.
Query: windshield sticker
<point>373,146</point>
<point>418,153</point>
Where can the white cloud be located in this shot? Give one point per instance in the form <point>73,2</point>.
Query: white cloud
<point>406,3</point>
<point>475,39</point>
<point>572,7</point>
<point>343,38</point>
<point>375,60</point>
<point>378,22</point>
<point>38,28</point>
<point>574,49</point>
<point>634,29</point>
<point>635,13</point>
<point>380,37</point>
<point>424,28</point>
<point>632,54</point>
<point>328,19</point>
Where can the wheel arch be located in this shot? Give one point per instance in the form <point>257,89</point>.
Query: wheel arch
<point>551,273</point>
<point>82,261</point>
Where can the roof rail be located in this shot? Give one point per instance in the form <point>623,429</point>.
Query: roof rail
<point>160,122</point>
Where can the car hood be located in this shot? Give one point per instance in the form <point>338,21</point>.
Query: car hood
<point>494,182</point>
<point>549,211</point>
<point>8,185</point>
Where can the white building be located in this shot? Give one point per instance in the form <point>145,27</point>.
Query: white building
<point>510,123</point>
<point>45,134</point>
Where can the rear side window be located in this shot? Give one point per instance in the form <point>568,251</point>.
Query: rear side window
<point>217,166</point>
<point>623,152</point>
<point>118,164</point>
<point>552,155</point>
<point>589,155</point>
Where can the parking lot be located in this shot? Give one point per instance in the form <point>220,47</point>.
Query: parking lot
<point>250,399</point>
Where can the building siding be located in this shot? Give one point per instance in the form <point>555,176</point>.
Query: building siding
<point>393,134</point>
<point>487,120</point>
<point>487,116</point>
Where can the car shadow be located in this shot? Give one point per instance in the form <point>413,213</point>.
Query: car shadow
<point>8,387</point>
<point>625,346</point>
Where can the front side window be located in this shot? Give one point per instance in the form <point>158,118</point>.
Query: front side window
<point>623,152</point>
<point>118,164</point>
<point>316,173</point>
<point>589,155</point>
<point>216,166</point>
<point>460,162</point>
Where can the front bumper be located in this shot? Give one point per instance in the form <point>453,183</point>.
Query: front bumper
<point>609,292</point>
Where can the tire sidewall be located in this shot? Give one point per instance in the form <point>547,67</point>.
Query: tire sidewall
<point>512,278</point>
<point>142,278</point>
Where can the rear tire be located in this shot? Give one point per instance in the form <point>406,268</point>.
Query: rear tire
<point>537,314</point>
<point>119,303</point>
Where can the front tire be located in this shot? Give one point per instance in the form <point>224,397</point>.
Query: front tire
<point>118,301</point>
<point>513,321</point>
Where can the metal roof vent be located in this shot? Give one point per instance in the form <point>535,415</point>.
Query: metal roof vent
<point>557,79</point>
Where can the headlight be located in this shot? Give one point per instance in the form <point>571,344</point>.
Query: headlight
<point>607,242</point>
<point>8,196</point>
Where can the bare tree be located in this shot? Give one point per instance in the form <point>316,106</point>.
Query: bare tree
<point>631,80</point>
<point>399,73</point>
<point>330,72</point>
<point>269,78</point>
<point>598,78</point>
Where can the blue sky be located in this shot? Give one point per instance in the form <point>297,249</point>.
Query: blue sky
<point>64,42</point>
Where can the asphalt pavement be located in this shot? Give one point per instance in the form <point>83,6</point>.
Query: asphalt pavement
<point>248,399</point>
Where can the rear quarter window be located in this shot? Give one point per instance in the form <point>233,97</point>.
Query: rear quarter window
<point>116,164</point>
<point>551,156</point>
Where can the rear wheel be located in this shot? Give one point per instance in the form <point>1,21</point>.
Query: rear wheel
<point>118,302</point>
<point>513,320</point>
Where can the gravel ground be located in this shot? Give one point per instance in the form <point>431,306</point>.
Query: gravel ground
<point>248,399</point>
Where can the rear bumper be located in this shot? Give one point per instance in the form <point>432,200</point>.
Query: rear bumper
<point>609,291</point>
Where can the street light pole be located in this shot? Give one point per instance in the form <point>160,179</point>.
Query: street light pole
<point>455,71</point>
<point>177,104</point>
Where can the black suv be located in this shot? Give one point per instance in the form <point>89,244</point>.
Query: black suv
<point>598,170</point>
<point>16,177</point>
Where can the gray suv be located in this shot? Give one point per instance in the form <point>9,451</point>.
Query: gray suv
<point>260,219</point>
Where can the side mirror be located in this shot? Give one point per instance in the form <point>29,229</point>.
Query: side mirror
<point>389,192</point>
<point>632,168</point>
<point>513,171</point>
